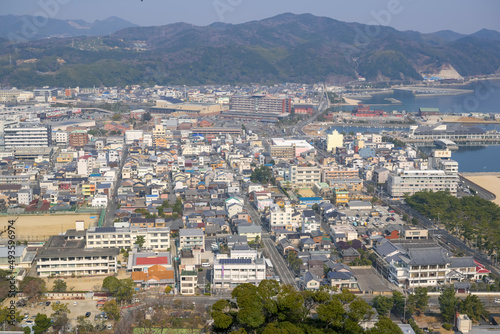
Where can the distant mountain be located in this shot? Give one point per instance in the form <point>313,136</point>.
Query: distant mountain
<point>491,35</point>
<point>448,35</point>
<point>20,28</point>
<point>285,48</point>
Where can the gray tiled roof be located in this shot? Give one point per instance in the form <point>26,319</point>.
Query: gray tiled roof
<point>429,256</point>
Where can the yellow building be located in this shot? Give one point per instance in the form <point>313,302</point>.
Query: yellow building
<point>340,196</point>
<point>64,157</point>
<point>334,140</point>
<point>88,189</point>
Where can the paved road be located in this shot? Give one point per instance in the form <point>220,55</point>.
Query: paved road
<point>277,260</point>
<point>481,192</point>
<point>112,204</point>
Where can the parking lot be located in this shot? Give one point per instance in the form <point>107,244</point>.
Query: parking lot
<point>76,307</point>
<point>363,217</point>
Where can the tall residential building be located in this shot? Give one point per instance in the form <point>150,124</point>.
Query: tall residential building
<point>191,237</point>
<point>304,176</point>
<point>280,218</point>
<point>28,136</point>
<point>334,140</point>
<point>259,103</point>
<point>412,181</point>
<point>78,138</point>
<point>61,138</point>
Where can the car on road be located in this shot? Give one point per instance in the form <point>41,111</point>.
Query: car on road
<point>75,303</point>
<point>47,303</point>
<point>497,300</point>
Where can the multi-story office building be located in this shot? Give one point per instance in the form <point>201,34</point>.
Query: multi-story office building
<point>45,94</point>
<point>259,103</point>
<point>191,237</point>
<point>66,255</point>
<point>28,136</point>
<point>304,175</point>
<point>412,181</point>
<point>244,267</point>
<point>156,238</point>
<point>287,148</point>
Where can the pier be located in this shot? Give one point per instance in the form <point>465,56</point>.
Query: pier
<point>459,142</point>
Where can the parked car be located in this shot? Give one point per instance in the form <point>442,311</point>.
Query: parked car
<point>87,314</point>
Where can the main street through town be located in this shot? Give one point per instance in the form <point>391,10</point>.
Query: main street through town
<point>113,202</point>
<point>277,260</point>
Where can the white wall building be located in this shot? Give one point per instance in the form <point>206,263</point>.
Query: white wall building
<point>412,181</point>
<point>191,237</point>
<point>229,271</point>
<point>156,238</point>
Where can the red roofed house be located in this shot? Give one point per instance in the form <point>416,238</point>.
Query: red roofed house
<point>154,276</point>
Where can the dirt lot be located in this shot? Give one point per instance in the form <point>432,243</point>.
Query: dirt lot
<point>41,227</point>
<point>85,283</point>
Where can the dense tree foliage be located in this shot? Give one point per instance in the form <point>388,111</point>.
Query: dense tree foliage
<point>418,301</point>
<point>274,308</point>
<point>122,289</point>
<point>42,323</point>
<point>261,174</point>
<point>448,304</point>
<point>59,285</point>
<point>475,220</point>
<point>383,304</point>
<point>32,287</point>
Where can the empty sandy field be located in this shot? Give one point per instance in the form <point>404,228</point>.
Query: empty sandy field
<point>41,227</point>
<point>490,182</point>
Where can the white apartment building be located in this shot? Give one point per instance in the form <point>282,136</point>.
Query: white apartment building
<point>65,255</point>
<point>100,201</point>
<point>191,237</point>
<point>28,136</point>
<point>190,149</point>
<point>61,138</point>
<point>25,196</point>
<point>156,238</point>
<point>280,218</point>
<point>412,181</point>
<point>85,164</point>
<point>304,176</point>
<point>133,135</point>
<point>188,282</point>
<point>229,272</point>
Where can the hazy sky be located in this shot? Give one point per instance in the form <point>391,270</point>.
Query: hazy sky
<point>464,16</point>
